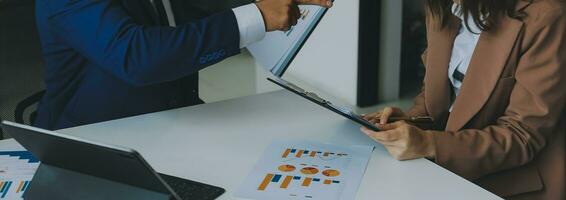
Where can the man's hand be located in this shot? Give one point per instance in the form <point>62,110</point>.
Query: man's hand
<point>404,141</point>
<point>282,14</point>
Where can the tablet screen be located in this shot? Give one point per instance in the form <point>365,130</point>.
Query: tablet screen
<point>276,51</point>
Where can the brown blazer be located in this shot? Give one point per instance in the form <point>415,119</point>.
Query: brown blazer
<point>506,130</point>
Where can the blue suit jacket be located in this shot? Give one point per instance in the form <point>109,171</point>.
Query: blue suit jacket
<point>108,59</point>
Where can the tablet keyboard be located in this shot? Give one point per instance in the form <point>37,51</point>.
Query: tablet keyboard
<point>189,190</point>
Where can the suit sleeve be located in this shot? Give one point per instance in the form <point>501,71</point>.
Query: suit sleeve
<point>101,31</point>
<point>534,112</point>
<point>419,108</point>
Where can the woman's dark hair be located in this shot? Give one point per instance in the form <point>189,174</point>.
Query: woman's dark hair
<point>484,13</point>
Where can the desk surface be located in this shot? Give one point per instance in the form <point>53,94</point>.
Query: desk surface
<point>200,142</point>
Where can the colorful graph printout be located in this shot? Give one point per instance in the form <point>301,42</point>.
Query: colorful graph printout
<point>296,169</point>
<point>17,168</point>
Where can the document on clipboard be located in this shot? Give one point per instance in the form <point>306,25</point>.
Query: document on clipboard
<point>276,51</point>
<point>344,111</point>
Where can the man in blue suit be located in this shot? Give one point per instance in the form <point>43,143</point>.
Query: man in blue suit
<point>108,59</point>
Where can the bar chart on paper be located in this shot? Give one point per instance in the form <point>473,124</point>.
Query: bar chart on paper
<point>306,170</point>
<point>16,171</point>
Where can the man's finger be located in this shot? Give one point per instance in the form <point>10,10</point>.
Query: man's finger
<point>285,27</point>
<point>295,15</point>
<point>296,12</point>
<point>323,3</point>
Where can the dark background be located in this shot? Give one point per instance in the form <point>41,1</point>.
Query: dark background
<point>413,45</point>
<point>21,67</point>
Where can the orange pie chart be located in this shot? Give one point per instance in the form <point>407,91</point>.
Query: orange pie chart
<point>309,170</point>
<point>286,168</point>
<point>330,172</point>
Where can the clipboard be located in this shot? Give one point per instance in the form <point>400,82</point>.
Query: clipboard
<point>313,97</point>
<point>278,49</point>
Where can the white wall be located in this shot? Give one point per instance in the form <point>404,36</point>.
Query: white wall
<point>232,78</point>
<point>329,59</point>
<point>327,64</point>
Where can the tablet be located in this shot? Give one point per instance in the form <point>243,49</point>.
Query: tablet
<point>98,167</point>
<point>278,49</point>
<point>346,112</point>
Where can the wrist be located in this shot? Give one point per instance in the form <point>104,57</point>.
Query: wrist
<point>261,9</point>
<point>430,148</point>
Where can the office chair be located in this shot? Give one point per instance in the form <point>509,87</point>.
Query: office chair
<point>21,108</point>
<point>24,105</point>
<point>21,64</point>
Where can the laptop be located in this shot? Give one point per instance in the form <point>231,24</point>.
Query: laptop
<point>106,162</point>
<point>344,111</point>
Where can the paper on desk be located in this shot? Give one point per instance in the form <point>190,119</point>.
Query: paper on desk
<point>17,168</point>
<point>297,169</point>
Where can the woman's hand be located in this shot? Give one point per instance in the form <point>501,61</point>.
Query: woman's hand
<point>383,116</point>
<point>404,141</point>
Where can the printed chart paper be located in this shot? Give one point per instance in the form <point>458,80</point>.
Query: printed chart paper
<point>17,168</point>
<point>296,169</point>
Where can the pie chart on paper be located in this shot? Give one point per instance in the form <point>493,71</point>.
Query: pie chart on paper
<point>331,173</point>
<point>286,168</point>
<point>309,170</point>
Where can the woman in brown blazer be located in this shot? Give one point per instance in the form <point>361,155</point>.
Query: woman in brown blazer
<point>503,125</point>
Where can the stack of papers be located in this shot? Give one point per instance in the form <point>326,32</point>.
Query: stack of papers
<point>303,170</point>
<point>17,168</point>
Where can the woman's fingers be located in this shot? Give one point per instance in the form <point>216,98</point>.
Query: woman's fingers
<point>372,117</point>
<point>391,126</point>
<point>386,114</point>
<point>390,112</point>
<point>403,141</point>
<point>383,137</point>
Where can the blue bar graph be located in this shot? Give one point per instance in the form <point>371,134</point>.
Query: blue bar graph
<point>276,178</point>
<point>5,189</point>
<point>24,155</point>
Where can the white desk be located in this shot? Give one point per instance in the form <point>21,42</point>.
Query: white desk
<point>219,143</point>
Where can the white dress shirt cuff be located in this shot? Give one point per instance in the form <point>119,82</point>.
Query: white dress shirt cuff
<point>250,24</point>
